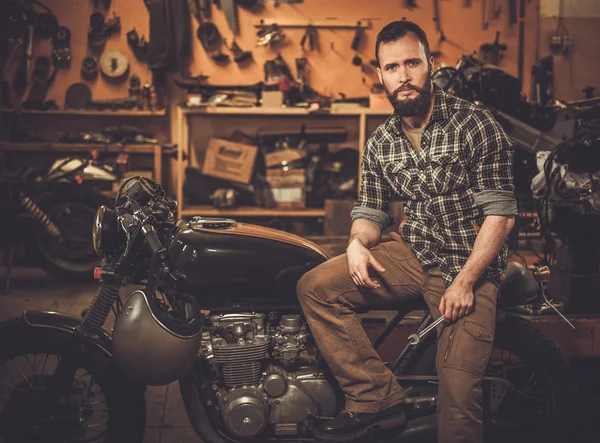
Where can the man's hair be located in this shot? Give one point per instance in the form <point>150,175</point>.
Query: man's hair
<point>398,29</point>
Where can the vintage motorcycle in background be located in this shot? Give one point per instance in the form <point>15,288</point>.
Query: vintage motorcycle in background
<point>216,309</point>
<point>50,211</point>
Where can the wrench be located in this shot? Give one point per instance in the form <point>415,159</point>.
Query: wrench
<point>413,339</point>
<point>484,15</point>
<point>497,10</point>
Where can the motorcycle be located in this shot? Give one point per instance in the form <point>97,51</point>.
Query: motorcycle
<point>51,211</point>
<point>215,308</point>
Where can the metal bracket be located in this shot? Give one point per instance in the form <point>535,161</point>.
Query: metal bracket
<point>261,22</point>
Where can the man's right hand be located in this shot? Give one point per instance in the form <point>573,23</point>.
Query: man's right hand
<point>359,259</point>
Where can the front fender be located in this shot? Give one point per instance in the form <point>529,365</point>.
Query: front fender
<point>67,323</point>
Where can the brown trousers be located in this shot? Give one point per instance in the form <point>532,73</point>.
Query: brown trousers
<point>328,296</point>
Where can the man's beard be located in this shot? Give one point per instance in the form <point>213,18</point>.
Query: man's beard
<point>411,106</point>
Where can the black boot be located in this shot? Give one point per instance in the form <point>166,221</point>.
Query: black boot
<point>349,426</point>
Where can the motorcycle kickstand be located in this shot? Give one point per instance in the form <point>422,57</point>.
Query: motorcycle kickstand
<point>539,273</point>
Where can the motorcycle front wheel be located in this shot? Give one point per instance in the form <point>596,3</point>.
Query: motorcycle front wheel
<point>530,394</point>
<point>99,406</point>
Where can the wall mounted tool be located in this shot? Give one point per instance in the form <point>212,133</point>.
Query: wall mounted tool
<point>100,29</point>
<point>239,56</point>
<point>311,38</point>
<point>270,35</point>
<point>89,68</point>
<point>331,24</point>
<point>230,12</point>
<point>61,47</point>
<point>114,66</point>
<point>437,20</point>
<point>138,44</point>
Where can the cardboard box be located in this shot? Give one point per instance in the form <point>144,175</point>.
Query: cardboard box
<point>272,99</point>
<point>229,160</point>
<point>288,187</point>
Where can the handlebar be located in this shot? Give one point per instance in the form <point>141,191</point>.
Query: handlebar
<point>154,243</point>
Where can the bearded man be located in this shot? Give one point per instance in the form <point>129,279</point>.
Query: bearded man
<point>450,163</point>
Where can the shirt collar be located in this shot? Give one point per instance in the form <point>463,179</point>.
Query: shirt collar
<point>441,110</point>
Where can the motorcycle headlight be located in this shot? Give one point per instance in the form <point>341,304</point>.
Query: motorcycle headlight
<point>105,232</point>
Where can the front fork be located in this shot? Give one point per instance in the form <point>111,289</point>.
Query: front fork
<point>86,335</point>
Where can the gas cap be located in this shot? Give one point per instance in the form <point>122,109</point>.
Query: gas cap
<point>199,222</point>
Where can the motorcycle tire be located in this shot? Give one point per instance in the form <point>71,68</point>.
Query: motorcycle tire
<point>75,262</point>
<point>540,353</point>
<point>23,417</point>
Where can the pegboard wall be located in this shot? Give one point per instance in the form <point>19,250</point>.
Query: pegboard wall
<point>330,69</point>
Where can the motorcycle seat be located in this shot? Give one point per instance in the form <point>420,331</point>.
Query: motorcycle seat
<point>518,288</point>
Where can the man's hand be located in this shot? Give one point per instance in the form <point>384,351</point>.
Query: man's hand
<point>359,259</point>
<point>457,301</point>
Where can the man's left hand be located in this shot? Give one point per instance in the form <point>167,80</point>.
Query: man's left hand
<point>457,301</point>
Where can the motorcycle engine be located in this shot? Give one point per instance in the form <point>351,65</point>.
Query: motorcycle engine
<point>255,389</point>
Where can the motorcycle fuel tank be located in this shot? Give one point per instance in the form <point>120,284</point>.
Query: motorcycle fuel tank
<point>231,265</point>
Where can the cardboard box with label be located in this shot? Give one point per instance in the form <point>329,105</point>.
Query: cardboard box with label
<point>288,187</point>
<point>229,160</point>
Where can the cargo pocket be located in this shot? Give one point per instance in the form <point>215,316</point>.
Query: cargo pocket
<point>471,348</point>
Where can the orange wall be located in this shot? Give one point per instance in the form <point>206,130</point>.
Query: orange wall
<point>579,69</point>
<point>331,70</point>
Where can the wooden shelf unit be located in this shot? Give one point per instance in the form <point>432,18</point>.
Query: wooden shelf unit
<point>52,124</point>
<point>78,147</point>
<point>359,116</point>
<point>87,112</point>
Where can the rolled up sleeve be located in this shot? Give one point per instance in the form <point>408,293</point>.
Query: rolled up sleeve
<point>494,202</point>
<point>491,155</point>
<point>375,193</point>
<point>491,166</point>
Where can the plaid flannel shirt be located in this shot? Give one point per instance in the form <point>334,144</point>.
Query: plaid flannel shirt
<point>464,154</point>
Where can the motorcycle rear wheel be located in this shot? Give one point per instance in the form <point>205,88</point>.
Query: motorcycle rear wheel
<point>101,406</point>
<point>74,259</point>
<point>539,374</point>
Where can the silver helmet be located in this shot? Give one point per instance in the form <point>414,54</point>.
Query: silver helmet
<point>154,344</point>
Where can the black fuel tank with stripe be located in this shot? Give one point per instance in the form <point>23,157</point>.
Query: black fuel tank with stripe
<point>232,265</point>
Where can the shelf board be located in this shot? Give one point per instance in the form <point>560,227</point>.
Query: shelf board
<point>89,112</point>
<point>76,147</point>
<point>256,110</point>
<point>251,211</point>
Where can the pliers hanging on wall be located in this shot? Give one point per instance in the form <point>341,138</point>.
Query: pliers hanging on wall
<point>310,36</point>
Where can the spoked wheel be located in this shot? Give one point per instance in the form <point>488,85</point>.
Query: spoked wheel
<point>529,388</point>
<point>517,403</point>
<point>98,406</point>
